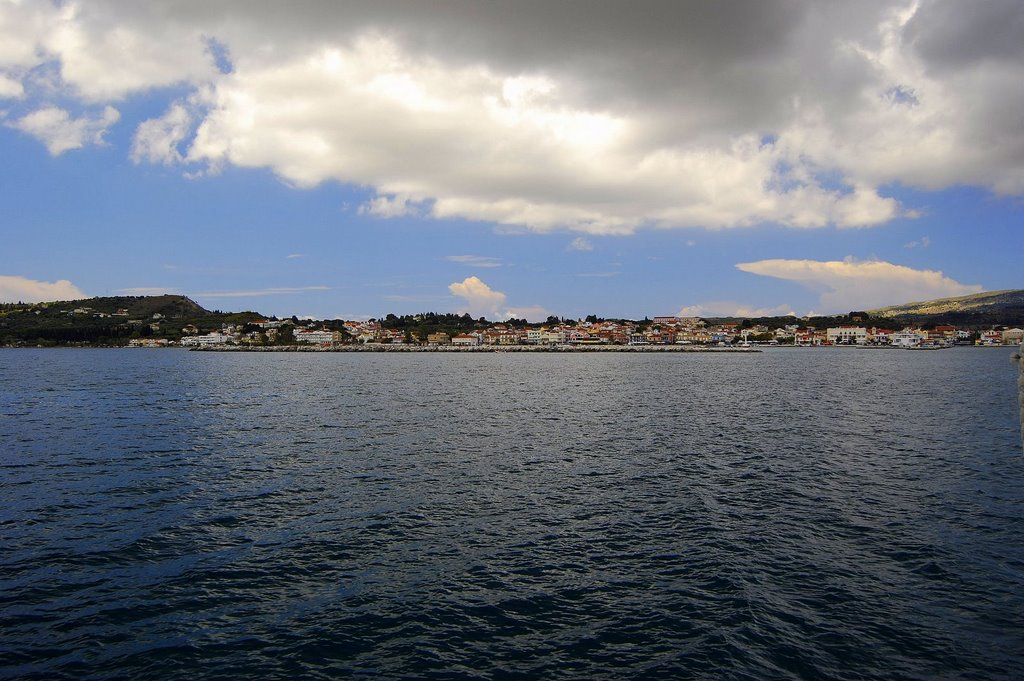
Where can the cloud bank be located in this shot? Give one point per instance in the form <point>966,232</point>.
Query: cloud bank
<point>658,114</point>
<point>850,284</point>
<point>14,289</point>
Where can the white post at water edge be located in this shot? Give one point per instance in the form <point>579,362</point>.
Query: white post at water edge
<point>1018,357</point>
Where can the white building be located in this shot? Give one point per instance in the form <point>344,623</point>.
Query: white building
<point>212,338</point>
<point>992,337</point>
<point>880,336</point>
<point>553,337</point>
<point>907,338</point>
<point>316,336</point>
<point>847,335</point>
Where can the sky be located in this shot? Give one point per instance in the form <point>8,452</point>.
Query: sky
<point>530,158</point>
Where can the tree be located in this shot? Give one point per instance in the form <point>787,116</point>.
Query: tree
<point>285,335</point>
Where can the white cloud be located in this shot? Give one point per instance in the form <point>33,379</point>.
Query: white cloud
<point>580,244</point>
<point>687,115</point>
<point>863,207</point>
<point>850,284</point>
<point>109,50</point>
<point>295,256</point>
<point>24,27</point>
<point>729,308</point>
<point>157,140</point>
<point>485,261</point>
<point>14,289</point>
<point>55,128</point>
<point>923,242</point>
<point>479,299</point>
<point>381,206</point>
<point>10,88</point>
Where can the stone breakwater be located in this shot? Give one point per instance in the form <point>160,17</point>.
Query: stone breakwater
<point>477,348</point>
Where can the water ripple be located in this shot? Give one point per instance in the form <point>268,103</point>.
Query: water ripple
<point>791,515</point>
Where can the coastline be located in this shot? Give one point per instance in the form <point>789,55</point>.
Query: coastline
<point>475,348</point>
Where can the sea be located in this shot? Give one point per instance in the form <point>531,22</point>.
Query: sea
<point>801,513</point>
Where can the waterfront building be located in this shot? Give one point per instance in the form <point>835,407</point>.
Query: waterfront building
<point>809,337</point>
<point>847,335</point>
<point>317,336</point>
<point>880,336</point>
<point>212,338</point>
<point>992,337</point>
<point>553,337</point>
<point>439,338</point>
<point>1013,336</point>
<point>907,338</point>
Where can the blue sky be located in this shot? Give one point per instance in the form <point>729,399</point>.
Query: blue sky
<point>358,160</point>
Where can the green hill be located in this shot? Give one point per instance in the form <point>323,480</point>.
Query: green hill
<point>108,321</point>
<point>978,309</point>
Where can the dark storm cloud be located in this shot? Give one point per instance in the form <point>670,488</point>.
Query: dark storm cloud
<point>950,34</point>
<point>599,116</point>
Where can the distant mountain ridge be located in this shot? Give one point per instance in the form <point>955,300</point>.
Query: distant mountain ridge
<point>987,301</point>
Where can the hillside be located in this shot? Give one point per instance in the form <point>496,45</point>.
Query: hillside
<point>108,321</point>
<point>979,309</point>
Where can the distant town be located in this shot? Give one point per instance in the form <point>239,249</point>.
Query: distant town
<point>684,331</point>
<point>176,321</point>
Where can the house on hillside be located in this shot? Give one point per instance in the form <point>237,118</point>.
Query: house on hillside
<point>439,338</point>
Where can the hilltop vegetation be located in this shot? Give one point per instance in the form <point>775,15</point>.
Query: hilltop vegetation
<point>974,312</point>
<point>108,321</point>
<point>992,308</point>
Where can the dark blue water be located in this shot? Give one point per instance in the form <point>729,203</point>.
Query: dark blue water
<point>812,514</point>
